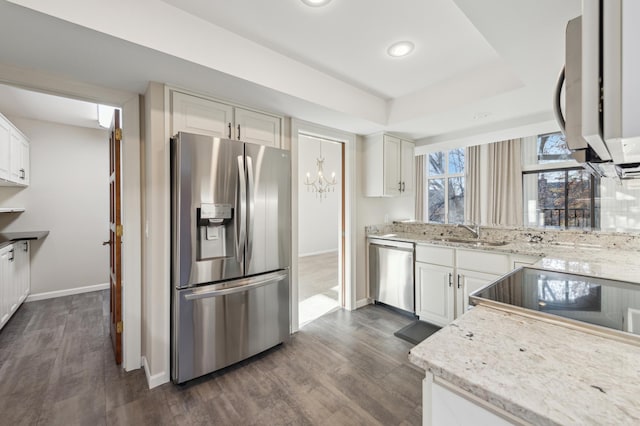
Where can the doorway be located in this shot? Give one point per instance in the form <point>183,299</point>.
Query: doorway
<point>320,226</point>
<point>68,193</point>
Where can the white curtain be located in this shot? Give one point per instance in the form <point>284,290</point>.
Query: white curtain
<point>505,183</point>
<point>473,185</point>
<point>419,188</point>
<point>493,194</point>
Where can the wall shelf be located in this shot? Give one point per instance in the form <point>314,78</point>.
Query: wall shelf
<point>12,209</point>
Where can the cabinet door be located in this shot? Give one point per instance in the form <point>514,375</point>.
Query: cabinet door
<point>5,148</point>
<point>26,157</point>
<point>407,166</point>
<point>467,282</point>
<point>391,165</point>
<point>16,157</point>
<point>434,293</point>
<point>192,114</point>
<point>254,127</point>
<point>5,283</point>
<point>22,270</point>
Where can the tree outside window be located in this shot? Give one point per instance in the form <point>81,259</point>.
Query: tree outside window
<point>559,193</point>
<point>445,186</point>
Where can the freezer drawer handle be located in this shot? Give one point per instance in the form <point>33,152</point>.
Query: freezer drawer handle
<point>268,279</point>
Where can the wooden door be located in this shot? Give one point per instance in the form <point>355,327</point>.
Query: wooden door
<point>115,238</point>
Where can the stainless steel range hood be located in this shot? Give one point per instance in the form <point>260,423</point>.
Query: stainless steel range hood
<point>602,91</point>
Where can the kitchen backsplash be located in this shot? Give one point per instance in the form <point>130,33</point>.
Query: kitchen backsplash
<point>624,241</point>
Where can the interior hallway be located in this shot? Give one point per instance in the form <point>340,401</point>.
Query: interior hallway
<point>318,286</point>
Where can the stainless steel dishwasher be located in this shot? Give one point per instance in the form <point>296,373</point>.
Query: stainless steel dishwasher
<point>391,273</point>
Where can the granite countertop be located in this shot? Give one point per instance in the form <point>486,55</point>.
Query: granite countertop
<point>7,238</point>
<point>542,373</point>
<point>575,258</point>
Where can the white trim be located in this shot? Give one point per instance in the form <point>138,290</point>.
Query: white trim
<point>155,380</point>
<point>68,292</point>
<point>349,139</point>
<point>316,253</point>
<point>132,251</point>
<point>363,302</point>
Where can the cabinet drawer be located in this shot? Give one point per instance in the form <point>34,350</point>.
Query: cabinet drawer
<point>483,261</point>
<point>435,255</point>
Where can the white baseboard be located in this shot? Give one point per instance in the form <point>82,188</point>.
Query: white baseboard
<point>363,302</point>
<point>315,253</point>
<point>155,380</point>
<point>68,292</point>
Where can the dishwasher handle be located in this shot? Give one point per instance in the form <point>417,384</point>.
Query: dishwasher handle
<point>396,245</point>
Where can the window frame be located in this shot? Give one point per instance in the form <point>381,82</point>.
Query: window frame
<point>445,176</point>
<point>592,194</point>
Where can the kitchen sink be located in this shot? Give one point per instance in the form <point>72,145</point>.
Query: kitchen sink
<point>477,243</point>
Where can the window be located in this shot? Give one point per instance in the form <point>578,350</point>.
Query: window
<point>445,186</point>
<point>557,191</point>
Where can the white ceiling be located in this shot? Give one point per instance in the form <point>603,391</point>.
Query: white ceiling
<point>476,64</point>
<point>21,103</point>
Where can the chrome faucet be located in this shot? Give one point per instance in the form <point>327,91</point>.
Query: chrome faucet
<point>474,229</point>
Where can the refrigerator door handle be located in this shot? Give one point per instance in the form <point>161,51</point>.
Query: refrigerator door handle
<point>250,209</point>
<point>242,207</point>
<point>243,285</point>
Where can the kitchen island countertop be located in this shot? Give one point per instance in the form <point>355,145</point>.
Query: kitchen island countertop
<point>543,373</point>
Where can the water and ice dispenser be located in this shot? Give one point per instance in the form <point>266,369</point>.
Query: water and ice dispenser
<point>215,236</point>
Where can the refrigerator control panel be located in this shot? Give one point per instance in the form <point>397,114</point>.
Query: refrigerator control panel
<point>215,212</point>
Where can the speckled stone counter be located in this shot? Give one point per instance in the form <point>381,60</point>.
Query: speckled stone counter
<point>542,373</point>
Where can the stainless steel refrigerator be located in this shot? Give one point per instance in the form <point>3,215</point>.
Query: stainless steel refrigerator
<point>230,252</point>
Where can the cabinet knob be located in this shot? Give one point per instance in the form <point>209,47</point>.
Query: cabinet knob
<point>106,243</point>
<point>450,278</point>
<point>459,285</point>
<point>238,132</point>
<point>11,255</point>
<point>403,186</point>
<point>22,174</point>
<point>229,137</point>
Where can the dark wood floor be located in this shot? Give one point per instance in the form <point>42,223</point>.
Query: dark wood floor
<point>345,368</point>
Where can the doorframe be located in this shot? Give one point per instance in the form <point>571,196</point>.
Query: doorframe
<point>349,178</point>
<point>130,104</point>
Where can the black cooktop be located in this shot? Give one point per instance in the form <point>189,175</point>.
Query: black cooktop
<point>608,303</point>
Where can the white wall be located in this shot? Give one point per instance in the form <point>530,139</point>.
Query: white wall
<point>373,211</point>
<point>318,223</point>
<point>155,242</point>
<point>68,196</point>
<point>620,206</point>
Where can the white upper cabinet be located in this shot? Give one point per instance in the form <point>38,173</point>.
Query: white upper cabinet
<point>5,148</point>
<point>389,166</point>
<point>193,114</point>
<point>257,128</point>
<point>14,155</point>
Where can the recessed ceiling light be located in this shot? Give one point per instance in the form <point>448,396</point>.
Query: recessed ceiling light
<point>316,3</point>
<point>401,48</point>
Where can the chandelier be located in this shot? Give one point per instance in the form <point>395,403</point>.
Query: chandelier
<point>320,184</point>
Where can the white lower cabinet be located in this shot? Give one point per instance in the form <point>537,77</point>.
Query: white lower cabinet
<point>434,293</point>
<point>445,404</point>
<point>15,278</point>
<point>445,276</point>
<point>466,283</point>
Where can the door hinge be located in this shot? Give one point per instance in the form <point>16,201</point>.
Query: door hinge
<point>118,134</point>
<point>119,327</point>
<point>119,230</point>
